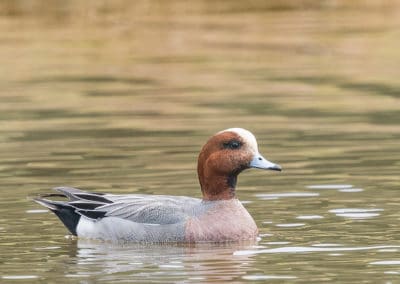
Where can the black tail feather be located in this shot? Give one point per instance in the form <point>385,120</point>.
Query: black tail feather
<point>69,217</point>
<point>80,203</point>
<point>75,194</point>
<point>64,212</point>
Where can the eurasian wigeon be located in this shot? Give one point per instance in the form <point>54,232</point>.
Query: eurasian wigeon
<point>218,217</point>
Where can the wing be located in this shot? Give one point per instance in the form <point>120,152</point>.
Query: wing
<point>140,208</point>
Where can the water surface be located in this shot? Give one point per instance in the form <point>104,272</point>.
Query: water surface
<point>119,97</point>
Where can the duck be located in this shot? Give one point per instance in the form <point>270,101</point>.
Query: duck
<point>144,218</point>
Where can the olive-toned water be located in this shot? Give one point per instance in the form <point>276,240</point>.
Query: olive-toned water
<point>120,96</point>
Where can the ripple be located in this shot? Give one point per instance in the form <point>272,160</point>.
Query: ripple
<point>48,248</point>
<point>172,266</point>
<point>19,277</point>
<point>136,263</point>
<point>290,225</point>
<point>327,245</point>
<point>35,211</point>
<point>351,190</point>
<point>277,243</point>
<point>329,186</point>
<point>309,217</point>
<point>300,249</point>
<point>388,250</point>
<point>386,262</point>
<point>355,210</point>
<point>356,213</point>
<point>267,277</point>
<point>266,235</point>
<point>286,195</point>
<point>77,275</point>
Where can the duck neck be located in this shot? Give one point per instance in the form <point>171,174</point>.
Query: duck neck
<point>218,187</point>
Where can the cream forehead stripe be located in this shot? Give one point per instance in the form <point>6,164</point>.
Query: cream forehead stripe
<point>246,135</point>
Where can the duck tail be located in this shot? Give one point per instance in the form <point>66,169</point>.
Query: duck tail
<point>65,212</point>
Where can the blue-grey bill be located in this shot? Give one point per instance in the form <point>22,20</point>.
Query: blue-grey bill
<point>260,162</point>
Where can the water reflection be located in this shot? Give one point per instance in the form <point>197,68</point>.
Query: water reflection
<point>202,262</point>
<point>267,196</point>
<point>309,217</point>
<point>356,213</point>
<point>329,248</point>
<point>120,96</point>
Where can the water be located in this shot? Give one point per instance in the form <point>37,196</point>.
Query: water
<point>119,97</point>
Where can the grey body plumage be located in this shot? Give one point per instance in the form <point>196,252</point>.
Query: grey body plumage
<point>132,217</point>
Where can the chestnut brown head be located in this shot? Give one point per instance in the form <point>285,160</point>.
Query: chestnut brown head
<point>223,157</point>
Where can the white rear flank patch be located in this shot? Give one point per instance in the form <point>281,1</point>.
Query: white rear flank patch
<point>109,228</point>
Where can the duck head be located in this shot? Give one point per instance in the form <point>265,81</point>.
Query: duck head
<point>224,157</point>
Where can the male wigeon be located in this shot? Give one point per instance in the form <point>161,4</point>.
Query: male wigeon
<point>218,217</point>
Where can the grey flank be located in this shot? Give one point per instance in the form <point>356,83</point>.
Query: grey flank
<point>132,217</point>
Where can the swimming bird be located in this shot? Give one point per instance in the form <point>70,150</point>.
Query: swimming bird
<point>218,217</point>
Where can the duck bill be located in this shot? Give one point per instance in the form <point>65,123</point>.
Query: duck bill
<point>259,162</point>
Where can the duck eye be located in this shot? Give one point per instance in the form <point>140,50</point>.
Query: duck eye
<point>233,144</point>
